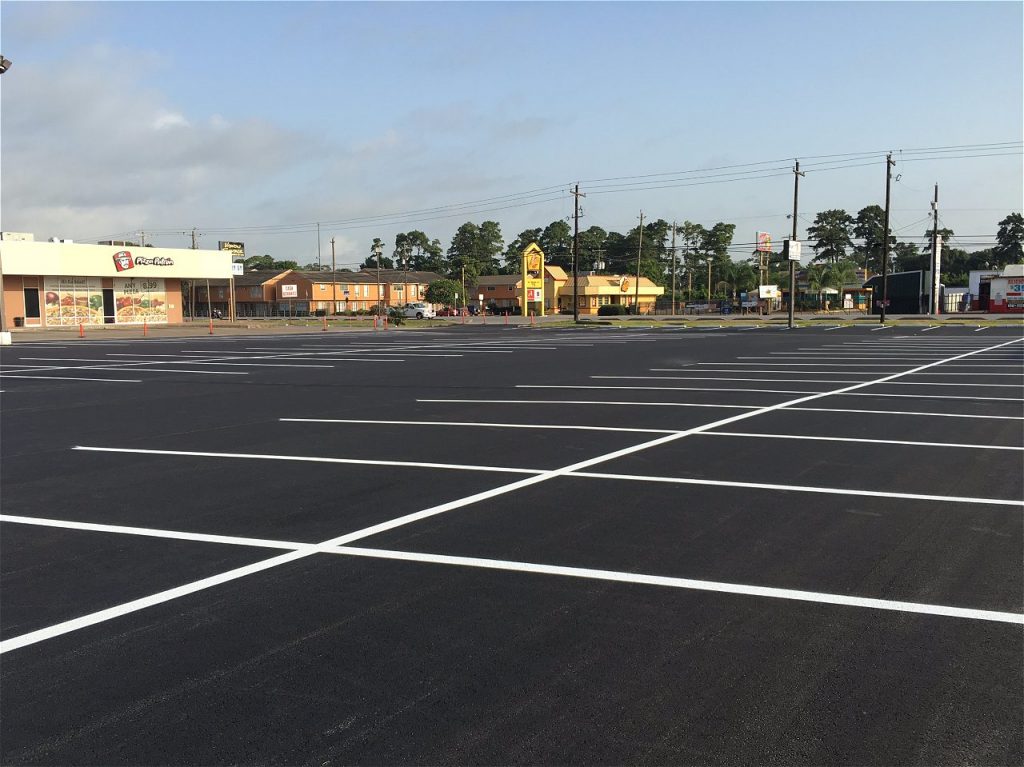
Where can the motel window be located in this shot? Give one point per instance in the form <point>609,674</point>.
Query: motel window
<point>323,287</point>
<point>491,287</point>
<point>583,301</point>
<point>604,300</point>
<point>593,301</point>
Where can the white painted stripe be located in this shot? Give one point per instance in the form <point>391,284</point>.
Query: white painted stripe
<point>882,327</point>
<point>908,412</point>
<point>162,371</point>
<point>800,488</point>
<point>765,391</point>
<point>838,327</point>
<point>843,600</point>
<point>980,329</point>
<point>416,516</point>
<point>92,619</point>
<point>814,437</point>
<point>805,380</point>
<point>73,378</point>
<point>844,365</point>
<point>588,402</point>
<point>734,371</point>
<point>481,424</point>
<point>153,533</point>
<point>931,327</point>
<point>314,459</point>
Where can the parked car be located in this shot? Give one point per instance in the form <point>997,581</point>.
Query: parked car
<point>419,310</point>
<point>447,312</point>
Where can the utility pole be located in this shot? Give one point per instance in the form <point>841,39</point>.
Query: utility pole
<point>334,282</point>
<point>465,303</point>
<point>576,254</point>
<point>709,286</point>
<point>639,250</point>
<point>317,244</point>
<point>936,257</point>
<point>792,264</point>
<point>194,245</point>
<point>673,268</point>
<point>889,162</point>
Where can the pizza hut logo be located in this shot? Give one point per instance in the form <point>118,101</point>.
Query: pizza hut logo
<point>123,260</point>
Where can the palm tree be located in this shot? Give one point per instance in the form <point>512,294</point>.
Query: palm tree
<point>840,274</point>
<point>817,280</point>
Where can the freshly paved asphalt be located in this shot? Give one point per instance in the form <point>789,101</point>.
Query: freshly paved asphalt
<point>335,659</point>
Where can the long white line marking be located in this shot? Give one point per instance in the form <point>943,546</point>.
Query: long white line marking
<point>734,371</point>
<point>931,327</point>
<point>73,378</point>
<point>843,600</point>
<point>692,584</point>
<point>341,540</point>
<point>844,365</point>
<point>481,424</point>
<point>313,459</point>
<point>908,412</point>
<point>814,437</point>
<point>765,391</point>
<point>799,488</point>
<point>804,380</point>
<point>153,533</point>
<point>589,402</point>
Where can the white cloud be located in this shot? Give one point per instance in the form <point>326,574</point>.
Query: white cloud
<point>170,120</point>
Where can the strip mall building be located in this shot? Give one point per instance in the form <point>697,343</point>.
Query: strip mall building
<point>47,284</point>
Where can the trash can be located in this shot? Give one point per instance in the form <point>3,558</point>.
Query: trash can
<point>19,322</point>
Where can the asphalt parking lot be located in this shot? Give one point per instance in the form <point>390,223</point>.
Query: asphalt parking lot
<point>491,545</point>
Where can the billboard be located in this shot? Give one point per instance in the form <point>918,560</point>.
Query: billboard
<point>764,242</point>
<point>236,249</point>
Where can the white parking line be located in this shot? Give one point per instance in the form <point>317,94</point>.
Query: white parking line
<point>72,378</point>
<point>766,391</point>
<point>313,459</point>
<point>798,488</point>
<point>802,380</point>
<point>481,424</point>
<point>302,549</point>
<point>814,437</point>
<point>190,588</point>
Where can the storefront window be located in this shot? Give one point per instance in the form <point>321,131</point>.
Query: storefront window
<point>73,301</point>
<point>139,300</point>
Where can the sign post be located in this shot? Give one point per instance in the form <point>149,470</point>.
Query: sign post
<point>533,277</point>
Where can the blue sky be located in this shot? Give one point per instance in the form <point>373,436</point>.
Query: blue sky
<point>252,121</point>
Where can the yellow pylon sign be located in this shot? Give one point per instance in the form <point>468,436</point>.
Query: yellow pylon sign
<point>533,277</point>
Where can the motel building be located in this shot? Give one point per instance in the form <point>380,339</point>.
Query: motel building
<point>62,283</point>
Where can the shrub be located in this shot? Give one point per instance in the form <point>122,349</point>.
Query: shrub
<point>609,310</point>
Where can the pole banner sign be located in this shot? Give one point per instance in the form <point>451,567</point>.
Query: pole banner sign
<point>764,242</point>
<point>533,276</point>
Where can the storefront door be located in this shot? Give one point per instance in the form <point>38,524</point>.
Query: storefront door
<point>32,306</point>
<point>108,306</point>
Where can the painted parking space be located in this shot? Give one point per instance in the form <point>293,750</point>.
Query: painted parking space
<point>440,594</point>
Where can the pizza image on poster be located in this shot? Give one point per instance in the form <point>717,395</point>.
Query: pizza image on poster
<point>73,301</point>
<point>139,300</point>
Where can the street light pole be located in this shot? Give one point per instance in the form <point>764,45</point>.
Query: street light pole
<point>709,285</point>
<point>5,64</point>
<point>376,252</point>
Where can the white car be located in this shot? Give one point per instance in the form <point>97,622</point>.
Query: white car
<point>419,311</point>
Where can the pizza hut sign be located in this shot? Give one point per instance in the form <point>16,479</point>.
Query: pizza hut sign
<point>123,260</point>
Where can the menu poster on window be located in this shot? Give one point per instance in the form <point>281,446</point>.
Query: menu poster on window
<point>139,300</point>
<point>73,301</point>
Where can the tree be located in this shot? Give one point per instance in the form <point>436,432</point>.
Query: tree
<point>415,250</point>
<point>1009,247</point>
<point>556,242</point>
<point>266,262</point>
<point>831,232</point>
<point>870,227</point>
<point>372,261</point>
<point>445,292</point>
<point>908,258</point>
<point>514,251</point>
<point>591,247</point>
<point>840,274</point>
<point>816,280</point>
<point>475,249</point>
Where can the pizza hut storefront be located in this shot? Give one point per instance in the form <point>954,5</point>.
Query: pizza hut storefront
<point>50,284</point>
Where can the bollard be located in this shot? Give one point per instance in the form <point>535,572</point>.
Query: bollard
<point>532,320</point>
<point>375,322</point>
<point>385,322</point>
<point>211,326</point>
<point>506,319</point>
<point>145,328</point>
<point>81,330</point>
<point>325,322</point>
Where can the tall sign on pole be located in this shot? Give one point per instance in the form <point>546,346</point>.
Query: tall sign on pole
<point>533,277</point>
<point>237,251</point>
<point>764,248</point>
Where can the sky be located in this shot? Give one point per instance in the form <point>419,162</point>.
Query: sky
<point>254,121</point>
